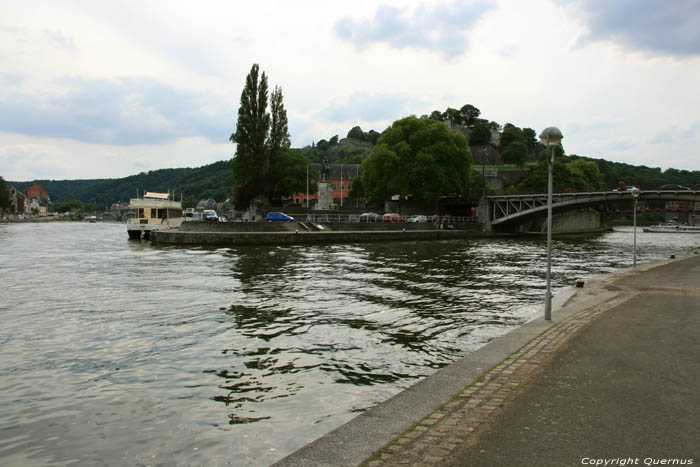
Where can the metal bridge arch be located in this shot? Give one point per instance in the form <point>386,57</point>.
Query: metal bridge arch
<point>512,209</point>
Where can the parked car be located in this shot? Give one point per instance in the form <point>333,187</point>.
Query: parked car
<point>391,217</point>
<point>417,219</point>
<point>674,187</point>
<point>278,216</point>
<point>370,217</point>
<point>210,216</point>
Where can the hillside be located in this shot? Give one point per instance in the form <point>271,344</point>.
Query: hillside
<point>209,181</point>
<point>216,180</point>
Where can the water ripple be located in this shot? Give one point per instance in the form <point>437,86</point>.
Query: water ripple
<point>118,352</point>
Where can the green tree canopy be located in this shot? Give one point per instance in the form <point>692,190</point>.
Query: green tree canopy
<point>530,138</point>
<point>511,134</point>
<point>261,166</point>
<point>251,162</point>
<point>515,153</point>
<point>569,174</point>
<point>4,196</point>
<point>468,114</point>
<point>357,133</point>
<point>481,134</point>
<point>418,157</point>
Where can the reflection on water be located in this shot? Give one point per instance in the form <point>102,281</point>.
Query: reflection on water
<point>118,352</point>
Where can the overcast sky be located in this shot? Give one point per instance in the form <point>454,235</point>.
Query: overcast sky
<point>94,89</point>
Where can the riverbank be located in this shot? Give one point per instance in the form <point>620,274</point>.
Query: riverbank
<point>610,377</point>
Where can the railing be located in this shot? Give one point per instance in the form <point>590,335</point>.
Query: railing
<point>356,218</point>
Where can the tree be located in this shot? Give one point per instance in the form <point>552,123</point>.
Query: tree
<point>436,115</point>
<point>468,114</point>
<point>251,161</point>
<point>587,174</point>
<point>4,196</point>
<point>530,139</point>
<point>291,168</point>
<point>278,143</point>
<point>373,136</point>
<point>418,157</point>
<point>481,134</point>
<point>515,153</point>
<point>323,145</point>
<point>452,115</point>
<point>333,141</point>
<point>574,174</point>
<point>261,167</point>
<point>357,133</point>
<point>511,134</point>
<point>495,126</point>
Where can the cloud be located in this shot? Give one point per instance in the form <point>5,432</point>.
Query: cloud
<point>365,107</point>
<point>666,28</point>
<point>445,28</point>
<point>120,111</point>
<point>675,134</point>
<point>26,158</point>
<point>61,41</point>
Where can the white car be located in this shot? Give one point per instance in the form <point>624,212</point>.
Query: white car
<point>417,219</point>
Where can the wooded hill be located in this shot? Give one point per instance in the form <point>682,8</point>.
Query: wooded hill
<point>216,180</point>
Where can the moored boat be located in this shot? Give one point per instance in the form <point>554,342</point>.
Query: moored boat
<point>155,211</point>
<point>672,228</point>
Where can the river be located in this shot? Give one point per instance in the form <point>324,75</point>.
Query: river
<point>117,352</point>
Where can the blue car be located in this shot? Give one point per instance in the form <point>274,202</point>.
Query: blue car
<point>278,216</point>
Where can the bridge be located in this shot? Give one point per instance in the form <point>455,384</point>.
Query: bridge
<point>506,211</point>
<point>115,215</point>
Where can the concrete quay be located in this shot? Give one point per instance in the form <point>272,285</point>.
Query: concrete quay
<point>278,233</point>
<point>612,380</point>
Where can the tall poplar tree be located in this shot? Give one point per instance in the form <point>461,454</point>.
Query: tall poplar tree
<point>278,143</point>
<point>251,162</point>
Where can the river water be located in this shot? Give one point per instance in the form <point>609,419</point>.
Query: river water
<point>115,352</point>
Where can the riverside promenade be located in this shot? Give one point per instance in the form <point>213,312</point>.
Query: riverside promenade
<point>612,380</point>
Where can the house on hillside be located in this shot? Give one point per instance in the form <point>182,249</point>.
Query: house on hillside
<point>206,204</point>
<point>37,200</point>
<point>38,191</point>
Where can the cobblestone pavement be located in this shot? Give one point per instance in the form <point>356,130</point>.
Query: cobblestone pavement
<point>459,422</point>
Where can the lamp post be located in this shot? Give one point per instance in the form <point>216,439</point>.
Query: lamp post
<point>635,195</point>
<point>551,137</point>
<point>483,168</point>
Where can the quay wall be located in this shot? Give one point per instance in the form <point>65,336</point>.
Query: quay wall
<point>257,227</point>
<point>230,238</point>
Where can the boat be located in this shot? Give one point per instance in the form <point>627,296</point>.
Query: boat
<point>154,211</point>
<point>673,227</point>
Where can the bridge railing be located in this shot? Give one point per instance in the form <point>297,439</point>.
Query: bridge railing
<point>503,206</point>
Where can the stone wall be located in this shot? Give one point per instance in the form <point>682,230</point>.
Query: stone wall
<point>179,237</point>
<point>580,221</point>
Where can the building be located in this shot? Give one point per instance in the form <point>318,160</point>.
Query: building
<point>340,176</point>
<point>38,191</point>
<point>683,212</point>
<point>17,201</point>
<point>203,204</point>
<point>37,200</point>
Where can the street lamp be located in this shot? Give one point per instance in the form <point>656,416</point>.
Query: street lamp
<point>635,195</point>
<point>551,137</point>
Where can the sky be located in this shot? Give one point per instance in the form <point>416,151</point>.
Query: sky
<point>110,89</point>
